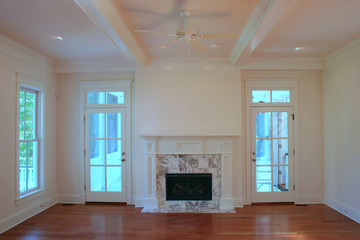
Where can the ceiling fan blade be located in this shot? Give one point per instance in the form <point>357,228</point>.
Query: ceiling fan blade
<point>228,35</point>
<point>164,44</point>
<point>152,32</point>
<point>197,45</point>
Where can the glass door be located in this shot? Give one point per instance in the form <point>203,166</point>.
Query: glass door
<point>272,154</point>
<point>105,158</point>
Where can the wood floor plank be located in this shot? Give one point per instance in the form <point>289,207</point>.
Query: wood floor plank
<point>99,221</point>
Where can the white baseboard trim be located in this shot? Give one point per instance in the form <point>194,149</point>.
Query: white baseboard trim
<point>70,198</point>
<point>342,208</point>
<point>15,219</point>
<point>139,202</point>
<point>238,202</point>
<point>310,199</point>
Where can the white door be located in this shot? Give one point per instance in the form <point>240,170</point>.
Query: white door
<point>272,154</point>
<point>105,156</point>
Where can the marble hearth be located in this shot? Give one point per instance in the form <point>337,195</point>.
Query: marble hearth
<point>188,154</point>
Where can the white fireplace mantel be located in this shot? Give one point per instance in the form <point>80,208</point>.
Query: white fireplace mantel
<point>188,144</point>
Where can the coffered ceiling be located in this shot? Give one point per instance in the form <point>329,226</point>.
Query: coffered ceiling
<point>105,30</point>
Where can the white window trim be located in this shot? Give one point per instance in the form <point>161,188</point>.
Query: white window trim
<point>271,84</point>
<point>108,86</point>
<point>33,83</point>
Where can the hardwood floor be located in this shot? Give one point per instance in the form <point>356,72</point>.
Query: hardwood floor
<point>127,222</point>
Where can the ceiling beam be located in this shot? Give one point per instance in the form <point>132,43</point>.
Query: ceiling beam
<point>105,15</point>
<point>263,18</point>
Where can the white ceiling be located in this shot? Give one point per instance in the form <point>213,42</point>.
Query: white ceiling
<point>104,29</point>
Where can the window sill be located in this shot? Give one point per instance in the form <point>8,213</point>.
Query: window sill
<point>30,196</point>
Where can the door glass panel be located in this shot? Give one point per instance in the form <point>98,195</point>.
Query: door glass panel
<point>97,179</point>
<point>280,124</point>
<point>114,179</point>
<point>260,96</point>
<point>97,152</point>
<point>263,151</point>
<point>30,114</point>
<point>280,96</point>
<point>113,156</point>
<point>263,124</point>
<point>280,179</point>
<point>97,126</point>
<point>113,125</point>
<point>280,151</point>
<point>115,97</point>
<point>263,179</point>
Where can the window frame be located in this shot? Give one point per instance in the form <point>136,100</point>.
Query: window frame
<point>34,86</point>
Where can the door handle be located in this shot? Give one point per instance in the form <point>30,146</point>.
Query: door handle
<point>123,160</point>
<point>123,153</point>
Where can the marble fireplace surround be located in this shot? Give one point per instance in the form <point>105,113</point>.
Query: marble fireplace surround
<point>188,154</point>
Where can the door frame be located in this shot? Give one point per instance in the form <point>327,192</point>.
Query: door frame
<point>270,84</point>
<point>115,85</point>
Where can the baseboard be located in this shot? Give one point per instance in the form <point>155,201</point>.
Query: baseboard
<point>69,198</point>
<point>139,202</point>
<point>343,209</point>
<point>310,199</point>
<point>15,219</point>
<point>238,202</point>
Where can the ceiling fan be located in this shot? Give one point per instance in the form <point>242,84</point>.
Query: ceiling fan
<point>189,37</point>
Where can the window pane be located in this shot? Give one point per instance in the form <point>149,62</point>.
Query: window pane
<point>263,151</point>
<point>96,97</point>
<point>97,179</point>
<point>113,156</point>
<point>115,97</point>
<point>263,179</point>
<point>97,152</point>
<point>32,165</point>
<point>281,96</point>
<point>280,124</point>
<point>260,96</point>
<point>114,179</point>
<point>113,125</point>
<point>30,115</point>
<point>280,176</point>
<point>22,166</point>
<point>22,116</point>
<point>97,125</point>
<point>280,151</point>
<point>263,126</point>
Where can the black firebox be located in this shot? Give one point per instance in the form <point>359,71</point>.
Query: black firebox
<point>194,186</point>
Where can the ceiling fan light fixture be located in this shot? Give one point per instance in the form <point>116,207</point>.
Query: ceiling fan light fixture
<point>298,48</point>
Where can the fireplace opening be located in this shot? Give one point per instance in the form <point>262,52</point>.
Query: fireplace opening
<point>194,186</point>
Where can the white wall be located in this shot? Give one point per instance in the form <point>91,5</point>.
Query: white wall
<point>68,131</point>
<point>186,101</point>
<point>310,136</point>
<point>341,86</point>
<point>15,58</point>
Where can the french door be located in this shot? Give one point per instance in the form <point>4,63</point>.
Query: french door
<point>272,154</point>
<point>105,155</point>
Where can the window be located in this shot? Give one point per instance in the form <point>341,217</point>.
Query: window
<point>29,133</point>
<point>268,96</point>
<point>105,98</point>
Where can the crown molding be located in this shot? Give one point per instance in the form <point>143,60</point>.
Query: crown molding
<point>92,66</point>
<point>343,54</point>
<point>284,64</point>
<point>263,18</point>
<point>23,54</point>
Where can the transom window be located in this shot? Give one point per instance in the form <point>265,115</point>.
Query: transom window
<point>28,140</point>
<point>105,97</point>
<point>271,96</point>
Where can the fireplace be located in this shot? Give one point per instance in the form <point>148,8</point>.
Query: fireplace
<point>185,187</point>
